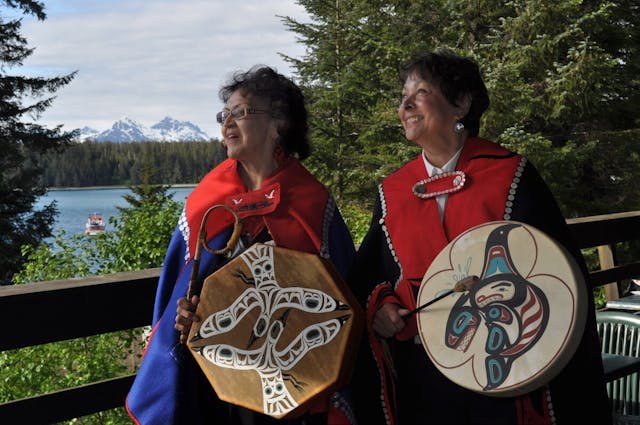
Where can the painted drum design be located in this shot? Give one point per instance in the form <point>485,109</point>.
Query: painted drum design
<point>279,328</point>
<point>517,327</point>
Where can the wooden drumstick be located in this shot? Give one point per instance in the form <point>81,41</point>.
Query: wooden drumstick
<point>202,243</point>
<point>460,286</point>
<point>194,277</point>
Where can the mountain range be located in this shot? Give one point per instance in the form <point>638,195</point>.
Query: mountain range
<point>128,130</point>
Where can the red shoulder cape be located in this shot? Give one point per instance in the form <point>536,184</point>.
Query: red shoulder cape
<point>289,202</point>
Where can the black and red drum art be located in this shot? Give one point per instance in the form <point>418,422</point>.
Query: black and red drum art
<point>519,325</point>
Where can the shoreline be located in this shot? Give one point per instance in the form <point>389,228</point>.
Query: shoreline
<point>177,185</point>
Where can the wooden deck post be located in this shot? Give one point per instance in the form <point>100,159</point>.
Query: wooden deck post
<point>605,255</point>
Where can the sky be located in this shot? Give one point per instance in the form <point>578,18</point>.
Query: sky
<point>148,59</point>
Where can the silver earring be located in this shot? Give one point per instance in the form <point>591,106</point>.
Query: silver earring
<point>458,128</point>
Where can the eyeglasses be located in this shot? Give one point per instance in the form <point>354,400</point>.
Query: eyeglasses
<point>238,113</point>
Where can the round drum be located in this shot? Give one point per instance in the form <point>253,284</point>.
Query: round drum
<point>519,325</point>
<point>279,329</point>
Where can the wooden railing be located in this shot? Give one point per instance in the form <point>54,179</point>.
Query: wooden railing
<point>58,310</point>
<point>605,232</point>
<point>51,311</point>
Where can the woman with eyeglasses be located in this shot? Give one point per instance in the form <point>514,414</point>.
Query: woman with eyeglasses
<point>265,132</point>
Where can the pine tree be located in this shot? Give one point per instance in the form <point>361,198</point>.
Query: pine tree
<point>565,92</point>
<point>562,77</point>
<point>22,144</point>
<point>146,193</point>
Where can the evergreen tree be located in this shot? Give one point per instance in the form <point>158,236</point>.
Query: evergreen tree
<point>347,75</point>
<point>565,91</point>
<point>146,193</point>
<point>22,144</point>
<point>563,81</point>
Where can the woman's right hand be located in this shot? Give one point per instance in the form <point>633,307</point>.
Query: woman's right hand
<point>389,320</point>
<point>185,314</point>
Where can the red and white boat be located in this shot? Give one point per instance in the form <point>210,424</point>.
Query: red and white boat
<point>95,224</point>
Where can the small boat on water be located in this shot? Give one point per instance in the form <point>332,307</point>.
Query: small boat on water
<point>95,224</point>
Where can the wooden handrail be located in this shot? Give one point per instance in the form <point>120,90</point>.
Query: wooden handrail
<point>605,229</point>
<point>75,308</point>
<point>604,232</point>
<point>67,404</point>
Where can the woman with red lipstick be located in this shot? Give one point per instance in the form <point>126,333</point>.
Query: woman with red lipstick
<point>415,216</point>
<point>265,130</point>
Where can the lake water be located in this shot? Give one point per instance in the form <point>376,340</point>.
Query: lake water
<point>75,205</point>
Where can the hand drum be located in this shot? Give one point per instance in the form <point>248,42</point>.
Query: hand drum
<point>517,327</point>
<point>279,328</point>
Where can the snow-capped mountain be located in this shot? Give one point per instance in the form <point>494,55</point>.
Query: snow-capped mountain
<point>169,129</point>
<point>128,130</point>
<point>88,133</point>
<point>125,130</point>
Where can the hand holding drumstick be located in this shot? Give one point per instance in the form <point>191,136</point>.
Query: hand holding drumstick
<point>185,316</point>
<point>185,313</point>
<point>390,318</point>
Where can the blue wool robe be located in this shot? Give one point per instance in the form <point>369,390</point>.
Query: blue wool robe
<point>165,390</point>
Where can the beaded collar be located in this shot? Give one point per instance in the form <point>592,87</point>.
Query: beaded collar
<point>440,184</point>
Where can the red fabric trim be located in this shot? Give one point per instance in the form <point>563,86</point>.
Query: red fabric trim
<point>258,202</point>
<point>293,224</point>
<point>481,199</point>
<point>336,417</point>
<point>379,297</point>
<point>528,415</point>
<point>129,412</point>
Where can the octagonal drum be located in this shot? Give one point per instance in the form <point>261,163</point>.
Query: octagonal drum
<point>279,328</point>
<point>519,325</point>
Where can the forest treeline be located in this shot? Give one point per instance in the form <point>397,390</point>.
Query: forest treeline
<point>121,164</point>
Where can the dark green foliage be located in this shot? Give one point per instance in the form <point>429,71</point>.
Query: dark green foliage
<point>22,143</point>
<point>562,76</point>
<point>147,193</point>
<point>348,76</point>
<point>588,177</point>
<point>124,164</point>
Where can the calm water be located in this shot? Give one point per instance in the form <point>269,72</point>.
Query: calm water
<point>75,205</point>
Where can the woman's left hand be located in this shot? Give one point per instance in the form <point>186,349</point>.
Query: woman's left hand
<point>185,314</point>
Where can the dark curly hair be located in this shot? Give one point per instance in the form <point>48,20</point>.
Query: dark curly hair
<point>456,76</point>
<point>285,102</point>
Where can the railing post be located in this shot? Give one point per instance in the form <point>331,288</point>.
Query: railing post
<point>605,255</point>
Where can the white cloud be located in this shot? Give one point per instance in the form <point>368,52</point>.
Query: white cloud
<point>149,59</point>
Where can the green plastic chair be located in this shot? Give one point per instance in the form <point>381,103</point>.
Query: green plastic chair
<point>620,334</point>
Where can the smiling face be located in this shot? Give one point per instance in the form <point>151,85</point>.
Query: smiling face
<point>250,140</point>
<point>426,115</point>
